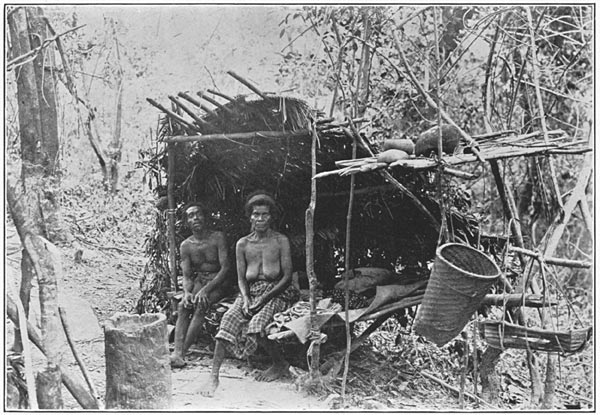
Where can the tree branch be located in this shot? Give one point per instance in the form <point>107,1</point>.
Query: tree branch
<point>32,54</point>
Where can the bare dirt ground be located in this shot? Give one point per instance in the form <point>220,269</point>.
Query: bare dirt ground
<point>90,296</point>
<point>385,374</point>
<point>106,281</point>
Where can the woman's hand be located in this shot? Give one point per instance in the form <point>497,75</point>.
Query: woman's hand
<point>256,307</point>
<point>246,307</point>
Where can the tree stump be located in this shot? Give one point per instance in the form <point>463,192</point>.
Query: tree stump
<point>138,369</point>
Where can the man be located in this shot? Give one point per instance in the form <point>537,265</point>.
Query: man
<point>264,269</point>
<point>205,264</point>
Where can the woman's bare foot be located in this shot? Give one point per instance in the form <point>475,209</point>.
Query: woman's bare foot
<point>209,387</point>
<point>177,362</point>
<point>276,371</point>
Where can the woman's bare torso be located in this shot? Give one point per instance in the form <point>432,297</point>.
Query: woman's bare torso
<point>263,258</point>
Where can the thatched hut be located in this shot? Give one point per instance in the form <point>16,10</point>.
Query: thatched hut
<point>225,153</point>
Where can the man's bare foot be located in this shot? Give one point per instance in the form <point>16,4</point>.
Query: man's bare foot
<point>177,362</point>
<point>274,372</point>
<point>208,389</point>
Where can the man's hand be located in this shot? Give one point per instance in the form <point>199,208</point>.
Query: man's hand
<point>187,299</point>
<point>201,299</point>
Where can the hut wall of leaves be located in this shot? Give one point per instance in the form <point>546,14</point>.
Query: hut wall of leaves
<point>220,155</point>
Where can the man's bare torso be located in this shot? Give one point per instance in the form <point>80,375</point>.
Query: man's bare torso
<point>203,252</point>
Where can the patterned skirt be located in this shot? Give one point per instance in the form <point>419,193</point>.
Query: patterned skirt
<point>240,333</point>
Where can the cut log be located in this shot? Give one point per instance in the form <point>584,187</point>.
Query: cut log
<point>138,369</point>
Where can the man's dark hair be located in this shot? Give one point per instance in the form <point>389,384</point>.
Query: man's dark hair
<point>200,205</point>
<point>261,198</point>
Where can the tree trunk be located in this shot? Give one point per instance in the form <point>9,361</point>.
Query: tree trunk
<point>116,144</point>
<point>30,126</point>
<point>138,368</point>
<point>46,263</point>
<point>45,74</point>
<point>27,274</point>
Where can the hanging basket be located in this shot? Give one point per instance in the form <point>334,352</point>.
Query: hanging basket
<point>460,278</point>
<point>503,335</point>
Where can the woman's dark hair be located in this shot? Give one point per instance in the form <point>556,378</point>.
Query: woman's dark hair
<point>261,198</point>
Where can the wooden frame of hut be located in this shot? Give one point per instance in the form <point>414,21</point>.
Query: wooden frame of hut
<point>220,154</point>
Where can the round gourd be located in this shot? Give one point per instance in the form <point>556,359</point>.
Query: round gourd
<point>403,144</point>
<point>427,142</point>
<point>390,156</point>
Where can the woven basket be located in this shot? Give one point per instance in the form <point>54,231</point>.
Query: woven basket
<point>503,335</point>
<point>460,278</point>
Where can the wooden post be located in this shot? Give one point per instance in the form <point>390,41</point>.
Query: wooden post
<point>310,265</point>
<point>440,168</point>
<point>347,266</point>
<point>171,214</point>
<point>138,369</point>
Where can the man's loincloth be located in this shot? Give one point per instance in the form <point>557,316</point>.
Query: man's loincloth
<point>201,278</point>
<point>240,333</point>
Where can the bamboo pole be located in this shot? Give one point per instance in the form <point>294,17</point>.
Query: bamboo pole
<point>440,168</point>
<point>237,136</point>
<point>215,103</point>
<point>553,261</point>
<point>222,95</point>
<point>247,84</point>
<point>205,108</point>
<point>518,300</point>
<point>347,266</point>
<point>84,371</point>
<point>187,110</point>
<point>173,116</point>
